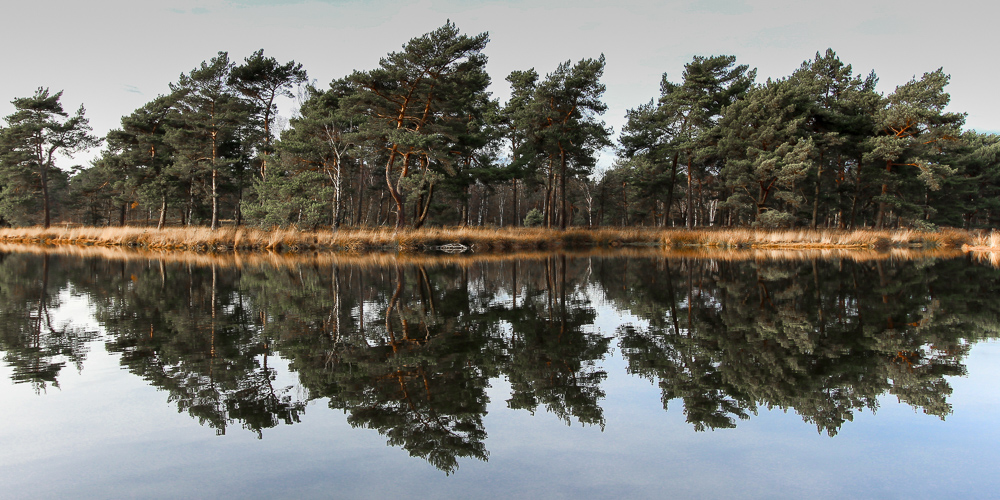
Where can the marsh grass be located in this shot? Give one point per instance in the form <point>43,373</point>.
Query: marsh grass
<point>985,248</point>
<point>482,239</point>
<point>806,238</point>
<point>251,239</point>
<point>985,241</point>
<point>389,259</point>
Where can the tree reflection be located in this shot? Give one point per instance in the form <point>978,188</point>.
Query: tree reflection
<point>417,376</point>
<point>187,330</point>
<point>410,350</point>
<point>552,352</point>
<point>824,339</point>
<point>35,344</point>
<point>415,349</point>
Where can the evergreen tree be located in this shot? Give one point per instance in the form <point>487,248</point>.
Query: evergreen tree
<point>262,80</point>
<point>36,134</point>
<point>318,145</point>
<point>207,132</point>
<point>562,127</point>
<point>682,125</point>
<point>767,156</point>
<point>839,111</point>
<point>413,103</point>
<point>972,198</point>
<point>914,136</point>
<point>139,156</point>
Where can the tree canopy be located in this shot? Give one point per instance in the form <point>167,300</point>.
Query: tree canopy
<point>419,139</point>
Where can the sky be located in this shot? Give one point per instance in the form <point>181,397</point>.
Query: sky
<point>113,56</point>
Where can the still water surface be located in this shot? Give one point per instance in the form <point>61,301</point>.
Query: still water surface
<point>547,376</point>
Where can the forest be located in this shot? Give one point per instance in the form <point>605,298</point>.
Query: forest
<point>419,141</point>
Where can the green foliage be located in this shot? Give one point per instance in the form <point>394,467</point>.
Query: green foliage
<point>534,218</point>
<point>207,131</point>
<point>36,133</point>
<point>767,157</point>
<point>419,104</point>
<point>914,135</point>
<point>555,124</point>
<point>323,138</point>
<point>300,200</point>
<point>819,147</point>
<point>680,130</point>
<point>261,80</point>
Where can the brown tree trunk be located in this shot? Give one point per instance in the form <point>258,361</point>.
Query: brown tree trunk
<point>163,212</point>
<point>393,191</point>
<point>819,177</point>
<point>880,219</point>
<point>562,189</point>
<point>690,208</point>
<point>43,173</point>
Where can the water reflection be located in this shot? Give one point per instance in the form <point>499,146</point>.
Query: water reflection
<point>35,345</point>
<point>409,347</point>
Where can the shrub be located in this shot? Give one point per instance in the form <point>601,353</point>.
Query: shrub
<point>534,218</point>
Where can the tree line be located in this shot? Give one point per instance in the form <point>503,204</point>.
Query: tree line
<point>419,140</point>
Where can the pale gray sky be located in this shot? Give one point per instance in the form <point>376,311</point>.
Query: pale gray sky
<point>115,55</point>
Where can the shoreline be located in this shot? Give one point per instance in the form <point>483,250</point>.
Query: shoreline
<point>491,240</point>
<point>389,259</point>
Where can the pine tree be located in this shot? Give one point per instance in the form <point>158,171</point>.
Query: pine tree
<point>562,128</point>
<point>262,80</point>
<point>413,104</point>
<point>767,156</point>
<point>206,133</point>
<point>839,113</point>
<point>914,136</point>
<point>36,134</point>
<point>682,125</point>
<point>142,155</point>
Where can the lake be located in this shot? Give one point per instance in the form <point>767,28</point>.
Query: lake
<point>632,374</point>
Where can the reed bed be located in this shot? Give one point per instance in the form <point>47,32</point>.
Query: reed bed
<point>985,242</point>
<point>985,248</point>
<point>806,238</point>
<point>244,239</point>
<point>385,259</point>
<point>251,239</point>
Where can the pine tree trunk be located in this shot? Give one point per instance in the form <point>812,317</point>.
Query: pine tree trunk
<point>880,218</point>
<point>393,191</point>
<point>43,174</point>
<point>562,190</point>
<point>549,181</point>
<point>815,214</point>
<point>517,212</point>
<point>690,212</point>
<point>163,212</point>
<point>670,192</point>
<point>215,198</point>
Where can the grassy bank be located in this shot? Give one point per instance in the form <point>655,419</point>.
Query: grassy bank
<point>985,248</point>
<point>290,240</point>
<point>985,242</point>
<point>385,259</point>
<point>485,240</point>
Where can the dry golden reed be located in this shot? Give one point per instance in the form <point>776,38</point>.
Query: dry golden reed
<point>985,248</point>
<point>816,238</point>
<point>227,239</point>
<point>245,239</point>
<point>387,259</point>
